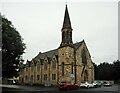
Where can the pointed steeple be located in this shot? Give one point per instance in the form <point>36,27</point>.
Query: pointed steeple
<point>66,31</point>
<point>66,22</point>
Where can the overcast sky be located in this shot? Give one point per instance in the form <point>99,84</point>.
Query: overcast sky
<point>40,23</point>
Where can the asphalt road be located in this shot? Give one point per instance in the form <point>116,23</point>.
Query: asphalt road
<point>36,89</point>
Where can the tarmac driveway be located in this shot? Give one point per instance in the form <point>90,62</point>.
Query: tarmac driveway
<point>37,89</point>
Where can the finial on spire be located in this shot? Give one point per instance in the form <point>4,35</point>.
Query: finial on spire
<point>66,2</point>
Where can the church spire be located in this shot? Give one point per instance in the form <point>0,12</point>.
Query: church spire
<point>66,22</point>
<point>66,30</point>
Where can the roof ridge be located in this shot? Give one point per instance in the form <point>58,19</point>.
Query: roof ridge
<point>48,51</point>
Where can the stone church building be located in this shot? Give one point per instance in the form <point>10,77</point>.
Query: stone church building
<point>70,62</point>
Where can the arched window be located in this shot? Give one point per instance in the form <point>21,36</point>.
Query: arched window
<point>45,65</point>
<point>45,76</point>
<point>38,77</point>
<point>54,64</point>
<point>84,60</point>
<point>72,67</point>
<point>53,76</point>
<point>63,36</point>
<point>38,67</point>
<point>62,68</point>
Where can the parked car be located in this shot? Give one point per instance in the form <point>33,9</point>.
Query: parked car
<point>107,83</point>
<point>87,85</point>
<point>67,86</point>
<point>97,84</point>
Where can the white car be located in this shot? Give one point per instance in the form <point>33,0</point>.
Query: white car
<point>86,85</point>
<point>97,84</point>
<point>107,83</point>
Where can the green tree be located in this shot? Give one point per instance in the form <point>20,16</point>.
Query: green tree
<point>116,70</point>
<point>12,49</point>
<point>107,71</point>
<point>96,71</point>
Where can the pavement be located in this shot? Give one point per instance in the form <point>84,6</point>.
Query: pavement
<point>38,89</point>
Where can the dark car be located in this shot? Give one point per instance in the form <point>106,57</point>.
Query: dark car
<point>67,86</point>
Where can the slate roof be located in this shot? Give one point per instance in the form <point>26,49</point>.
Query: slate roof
<point>78,44</point>
<point>50,53</point>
